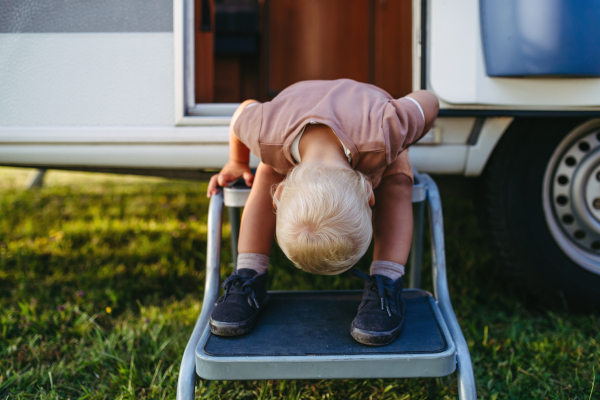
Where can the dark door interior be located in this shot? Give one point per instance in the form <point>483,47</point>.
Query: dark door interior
<point>255,48</point>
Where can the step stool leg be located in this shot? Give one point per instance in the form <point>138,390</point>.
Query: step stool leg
<point>466,378</point>
<point>416,251</point>
<point>187,371</point>
<point>234,221</point>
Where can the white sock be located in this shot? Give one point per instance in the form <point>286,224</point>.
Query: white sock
<point>387,268</point>
<point>255,261</point>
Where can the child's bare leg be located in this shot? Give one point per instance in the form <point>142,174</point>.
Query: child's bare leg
<point>392,225</point>
<point>258,222</point>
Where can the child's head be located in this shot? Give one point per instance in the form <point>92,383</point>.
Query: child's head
<point>323,217</point>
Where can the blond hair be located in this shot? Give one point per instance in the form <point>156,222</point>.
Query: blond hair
<point>323,217</point>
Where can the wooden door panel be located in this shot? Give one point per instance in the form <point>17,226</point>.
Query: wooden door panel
<point>393,46</point>
<point>317,39</point>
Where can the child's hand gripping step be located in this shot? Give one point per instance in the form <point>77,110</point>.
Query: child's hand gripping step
<point>231,172</point>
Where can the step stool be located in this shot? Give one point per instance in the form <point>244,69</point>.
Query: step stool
<point>306,334</point>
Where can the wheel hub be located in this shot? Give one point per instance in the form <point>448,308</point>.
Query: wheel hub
<point>592,192</point>
<point>572,197</point>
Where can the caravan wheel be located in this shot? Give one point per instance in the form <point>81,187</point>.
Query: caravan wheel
<point>539,197</point>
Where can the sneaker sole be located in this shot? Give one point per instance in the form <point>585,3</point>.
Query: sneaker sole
<point>220,328</point>
<point>371,338</point>
<point>232,328</point>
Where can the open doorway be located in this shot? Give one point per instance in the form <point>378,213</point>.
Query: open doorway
<point>255,48</point>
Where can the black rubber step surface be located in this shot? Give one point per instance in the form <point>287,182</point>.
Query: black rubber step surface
<point>318,324</point>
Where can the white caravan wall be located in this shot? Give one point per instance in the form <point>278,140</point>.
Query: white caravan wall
<point>86,63</point>
<point>86,79</point>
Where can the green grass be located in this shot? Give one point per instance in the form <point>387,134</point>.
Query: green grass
<point>101,280</point>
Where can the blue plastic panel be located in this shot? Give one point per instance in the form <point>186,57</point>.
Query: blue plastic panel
<point>541,37</point>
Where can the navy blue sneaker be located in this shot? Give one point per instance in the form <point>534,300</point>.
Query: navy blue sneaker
<point>381,312</point>
<point>238,309</point>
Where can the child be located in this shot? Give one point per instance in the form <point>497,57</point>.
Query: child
<point>331,150</point>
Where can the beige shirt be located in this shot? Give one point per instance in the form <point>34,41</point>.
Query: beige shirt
<point>372,125</point>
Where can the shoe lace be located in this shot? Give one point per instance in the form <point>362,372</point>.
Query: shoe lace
<point>378,290</point>
<point>240,285</point>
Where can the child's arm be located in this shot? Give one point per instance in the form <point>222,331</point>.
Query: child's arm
<point>239,158</point>
<point>429,104</point>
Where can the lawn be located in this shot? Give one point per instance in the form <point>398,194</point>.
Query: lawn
<point>101,280</point>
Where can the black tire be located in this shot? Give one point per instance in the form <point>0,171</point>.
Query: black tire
<point>509,201</point>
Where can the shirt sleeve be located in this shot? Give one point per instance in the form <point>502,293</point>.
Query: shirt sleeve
<point>247,127</point>
<point>403,125</point>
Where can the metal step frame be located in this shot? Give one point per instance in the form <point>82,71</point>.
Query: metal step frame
<point>425,192</point>
<point>314,356</point>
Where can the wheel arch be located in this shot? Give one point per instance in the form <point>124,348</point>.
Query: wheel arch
<point>486,135</point>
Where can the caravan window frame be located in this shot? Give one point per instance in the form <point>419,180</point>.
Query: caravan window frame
<point>187,111</point>
<point>190,113</point>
